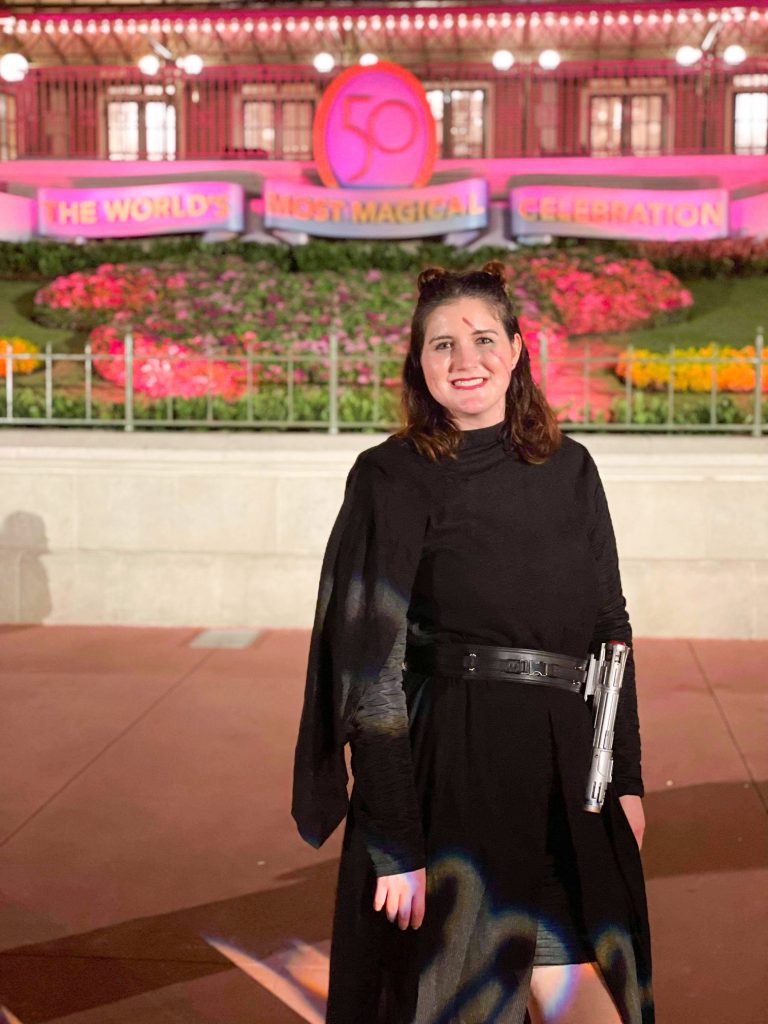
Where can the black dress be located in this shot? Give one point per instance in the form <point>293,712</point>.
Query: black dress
<point>480,781</point>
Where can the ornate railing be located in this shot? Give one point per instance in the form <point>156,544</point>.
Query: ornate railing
<point>322,392</point>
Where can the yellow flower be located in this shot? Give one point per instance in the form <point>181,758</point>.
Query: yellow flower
<point>692,368</point>
<point>18,346</point>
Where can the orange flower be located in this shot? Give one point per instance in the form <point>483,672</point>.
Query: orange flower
<point>18,346</point>
<point>692,369</point>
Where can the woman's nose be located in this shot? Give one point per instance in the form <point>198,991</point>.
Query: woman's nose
<point>463,356</point>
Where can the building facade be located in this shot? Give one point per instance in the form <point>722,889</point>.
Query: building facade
<point>513,80</point>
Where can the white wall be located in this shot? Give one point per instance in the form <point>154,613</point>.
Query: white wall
<point>229,529</point>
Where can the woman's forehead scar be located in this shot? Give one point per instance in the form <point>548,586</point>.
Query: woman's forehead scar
<point>476,329</point>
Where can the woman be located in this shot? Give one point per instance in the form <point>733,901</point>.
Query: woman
<point>473,887</point>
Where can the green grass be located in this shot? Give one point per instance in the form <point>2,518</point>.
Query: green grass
<point>725,311</point>
<point>16,306</point>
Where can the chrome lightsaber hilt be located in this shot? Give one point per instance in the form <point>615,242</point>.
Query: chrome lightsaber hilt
<point>604,677</point>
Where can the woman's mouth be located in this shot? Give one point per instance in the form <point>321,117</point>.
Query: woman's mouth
<point>468,384</point>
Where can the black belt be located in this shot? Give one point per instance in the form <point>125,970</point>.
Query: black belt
<point>522,664</point>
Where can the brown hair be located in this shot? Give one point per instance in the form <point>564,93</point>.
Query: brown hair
<point>530,423</point>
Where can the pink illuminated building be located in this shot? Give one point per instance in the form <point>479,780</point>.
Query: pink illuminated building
<point>206,81</point>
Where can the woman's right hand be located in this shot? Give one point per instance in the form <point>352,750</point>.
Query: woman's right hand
<point>403,897</point>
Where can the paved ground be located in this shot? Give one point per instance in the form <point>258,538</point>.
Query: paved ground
<point>150,872</point>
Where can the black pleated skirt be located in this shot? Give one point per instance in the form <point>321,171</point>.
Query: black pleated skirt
<point>562,936</point>
<point>518,874</point>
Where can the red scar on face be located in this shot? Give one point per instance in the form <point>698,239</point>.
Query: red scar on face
<point>468,323</point>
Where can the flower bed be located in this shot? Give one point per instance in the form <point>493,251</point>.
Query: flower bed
<point>217,323</point>
<point>601,294</point>
<point>18,347</point>
<point>693,369</point>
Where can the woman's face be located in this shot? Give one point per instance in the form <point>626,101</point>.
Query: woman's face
<point>467,360</point>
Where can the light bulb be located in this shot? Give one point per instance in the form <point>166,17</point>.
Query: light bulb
<point>502,60</point>
<point>688,55</point>
<point>13,67</point>
<point>734,54</point>
<point>324,62</point>
<point>149,64</point>
<point>549,59</point>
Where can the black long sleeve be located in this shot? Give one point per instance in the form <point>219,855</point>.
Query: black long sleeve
<point>363,595</point>
<point>613,624</point>
<point>382,766</point>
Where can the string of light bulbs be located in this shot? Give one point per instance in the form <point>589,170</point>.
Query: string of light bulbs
<point>14,66</point>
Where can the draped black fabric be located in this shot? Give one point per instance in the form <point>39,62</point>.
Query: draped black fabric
<point>365,582</point>
<point>458,775</point>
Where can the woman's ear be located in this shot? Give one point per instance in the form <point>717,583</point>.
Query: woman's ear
<point>517,348</point>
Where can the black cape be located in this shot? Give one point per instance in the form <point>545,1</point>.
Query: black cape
<point>362,602</point>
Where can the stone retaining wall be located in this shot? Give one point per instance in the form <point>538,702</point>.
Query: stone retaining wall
<point>229,529</point>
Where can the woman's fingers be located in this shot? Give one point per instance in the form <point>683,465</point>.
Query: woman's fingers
<point>417,908</point>
<point>393,902</point>
<point>380,895</point>
<point>402,897</point>
<point>633,809</point>
<point>404,911</point>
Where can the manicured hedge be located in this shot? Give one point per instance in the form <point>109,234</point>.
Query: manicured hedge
<point>45,260</point>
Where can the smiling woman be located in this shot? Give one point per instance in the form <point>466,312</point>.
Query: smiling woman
<point>468,367</point>
<point>470,571</point>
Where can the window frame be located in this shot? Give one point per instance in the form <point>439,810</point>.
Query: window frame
<point>278,94</point>
<point>141,94</point>
<point>628,89</point>
<point>734,88</point>
<point>469,85</point>
<point>9,139</point>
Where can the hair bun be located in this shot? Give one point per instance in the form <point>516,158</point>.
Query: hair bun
<point>496,269</point>
<point>430,274</point>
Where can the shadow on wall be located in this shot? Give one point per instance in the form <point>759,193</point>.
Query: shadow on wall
<point>25,596</point>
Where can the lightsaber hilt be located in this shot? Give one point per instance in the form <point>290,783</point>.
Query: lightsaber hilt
<point>604,678</point>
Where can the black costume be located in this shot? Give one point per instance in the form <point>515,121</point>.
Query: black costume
<point>482,781</point>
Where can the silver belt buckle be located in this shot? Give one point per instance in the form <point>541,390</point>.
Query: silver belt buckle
<point>470,661</point>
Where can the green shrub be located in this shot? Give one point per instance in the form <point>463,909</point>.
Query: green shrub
<point>728,257</point>
<point>45,260</point>
<point>650,410</point>
<point>310,405</point>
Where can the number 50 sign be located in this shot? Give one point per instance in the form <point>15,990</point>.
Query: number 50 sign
<point>374,128</point>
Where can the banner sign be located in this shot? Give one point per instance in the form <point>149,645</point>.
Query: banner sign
<point>595,212</point>
<point>749,211</point>
<point>170,208</point>
<point>376,213</point>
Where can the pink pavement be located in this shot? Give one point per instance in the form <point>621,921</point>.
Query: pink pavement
<point>150,871</point>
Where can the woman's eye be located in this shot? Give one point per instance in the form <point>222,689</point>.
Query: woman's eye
<point>440,344</point>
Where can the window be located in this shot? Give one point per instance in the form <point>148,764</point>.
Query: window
<point>750,114</point>
<point>545,116</point>
<point>123,131</point>
<point>460,119</point>
<point>297,129</point>
<point>8,150</point>
<point>605,125</point>
<point>279,119</point>
<point>626,116</point>
<point>259,125</point>
<point>626,124</point>
<point>142,127</point>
